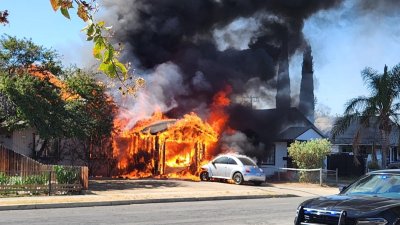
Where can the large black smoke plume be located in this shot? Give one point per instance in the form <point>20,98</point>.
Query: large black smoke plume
<point>214,43</point>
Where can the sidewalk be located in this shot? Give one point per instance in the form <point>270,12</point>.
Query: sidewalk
<point>122,192</point>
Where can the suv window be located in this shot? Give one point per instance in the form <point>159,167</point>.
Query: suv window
<point>246,161</point>
<point>232,161</point>
<point>222,160</point>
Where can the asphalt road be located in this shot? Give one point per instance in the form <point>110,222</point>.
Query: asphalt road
<point>271,211</point>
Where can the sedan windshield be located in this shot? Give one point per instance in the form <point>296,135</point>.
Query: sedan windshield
<point>380,185</point>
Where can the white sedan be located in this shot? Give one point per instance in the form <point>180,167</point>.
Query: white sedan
<point>239,168</point>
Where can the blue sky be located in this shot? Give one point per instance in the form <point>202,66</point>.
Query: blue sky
<point>36,19</point>
<point>343,44</point>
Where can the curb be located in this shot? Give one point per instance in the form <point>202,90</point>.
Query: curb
<point>139,201</point>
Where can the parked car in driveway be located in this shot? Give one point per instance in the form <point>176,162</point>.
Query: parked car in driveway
<point>374,199</point>
<point>239,168</point>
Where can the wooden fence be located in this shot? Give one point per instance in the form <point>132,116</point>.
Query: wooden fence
<point>21,173</point>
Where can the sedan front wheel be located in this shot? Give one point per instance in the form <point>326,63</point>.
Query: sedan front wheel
<point>204,176</point>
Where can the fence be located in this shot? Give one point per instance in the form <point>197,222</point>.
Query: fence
<point>318,175</point>
<point>21,174</point>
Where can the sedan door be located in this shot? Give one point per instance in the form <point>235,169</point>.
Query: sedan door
<point>218,166</point>
<point>232,165</point>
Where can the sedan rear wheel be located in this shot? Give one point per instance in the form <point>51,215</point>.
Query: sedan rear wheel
<point>204,176</point>
<point>238,178</point>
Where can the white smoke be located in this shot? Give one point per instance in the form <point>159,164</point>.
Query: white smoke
<point>239,144</point>
<point>162,85</point>
<point>258,94</point>
<point>237,34</point>
<point>323,119</point>
<point>240,33</point>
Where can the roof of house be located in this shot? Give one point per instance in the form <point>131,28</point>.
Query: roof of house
<point>368,135</point>
<point>293,133</point>
<point>158,126</point>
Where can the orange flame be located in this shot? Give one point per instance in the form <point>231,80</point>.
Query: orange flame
<point>159,146</point>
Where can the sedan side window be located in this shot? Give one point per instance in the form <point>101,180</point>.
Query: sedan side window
<point>232,161</point>
<point>222,160</point>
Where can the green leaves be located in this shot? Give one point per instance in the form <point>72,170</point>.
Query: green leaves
<point>65,13</point>
<point>21,53</point>
<point>38,103</point>
<point>99,34</point>
<point>309,154</point>
<point>98,49</point>
<point>108,68</point>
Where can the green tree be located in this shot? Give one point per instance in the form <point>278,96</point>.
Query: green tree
<point>93,110</point>
<point>17,54</point>
<point>381,106</point>
<point>37,103</point>
<point>93,114</point>
<point>73,105</point>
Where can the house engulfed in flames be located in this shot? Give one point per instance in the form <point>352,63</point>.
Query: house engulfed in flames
<point>165,147</point>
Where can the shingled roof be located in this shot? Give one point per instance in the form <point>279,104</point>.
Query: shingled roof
<point>292,133</point>
<point>368,135</point>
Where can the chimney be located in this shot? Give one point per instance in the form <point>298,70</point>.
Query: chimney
<point>307,102</point>
<point>283,81</point>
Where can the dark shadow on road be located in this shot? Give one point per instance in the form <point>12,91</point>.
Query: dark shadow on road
<point>126,184</point>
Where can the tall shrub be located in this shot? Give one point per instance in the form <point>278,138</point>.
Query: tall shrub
<point>309,155</point>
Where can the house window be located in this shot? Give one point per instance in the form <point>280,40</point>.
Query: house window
<point>394,154</point>
<point>269,159</point>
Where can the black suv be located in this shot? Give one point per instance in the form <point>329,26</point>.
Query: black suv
<point>374,199</point>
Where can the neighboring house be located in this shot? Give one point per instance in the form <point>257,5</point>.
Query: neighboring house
<point>369,138</point>
<point>27,142</point>
<point>277,129</point>
<point>22,140</point>
<point>283,141</point>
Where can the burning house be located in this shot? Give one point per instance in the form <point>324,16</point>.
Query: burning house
<point>189,52</point>
<point>165,147</point>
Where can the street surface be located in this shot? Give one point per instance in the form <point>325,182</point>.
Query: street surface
<point>269,211</point>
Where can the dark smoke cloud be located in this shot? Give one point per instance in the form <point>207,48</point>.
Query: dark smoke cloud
<point>381,7</point>
<point>189,33</point>
<point>182,32</point>
<point>306,104</point>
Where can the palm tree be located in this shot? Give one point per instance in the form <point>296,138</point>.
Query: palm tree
<point>381,107</point>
